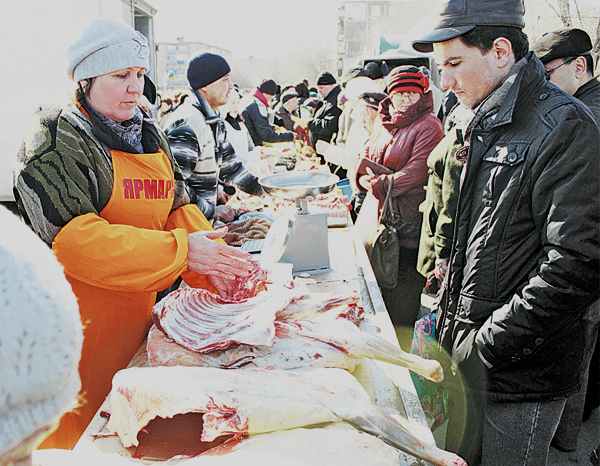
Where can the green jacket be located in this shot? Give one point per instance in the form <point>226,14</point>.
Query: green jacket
<point>440,203</point>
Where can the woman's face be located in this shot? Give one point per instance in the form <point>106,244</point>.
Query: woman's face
<point>367,116</point>
<point>116,95</point>
<point>402,101</point>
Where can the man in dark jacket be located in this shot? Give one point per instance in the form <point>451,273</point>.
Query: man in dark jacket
<point>260,120</point>
<point>525,260</point>
<point>567,57</point>
<point>324,123</point>
<point>198,140</point>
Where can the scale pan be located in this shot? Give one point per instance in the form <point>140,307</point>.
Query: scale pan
<point>298,185</point>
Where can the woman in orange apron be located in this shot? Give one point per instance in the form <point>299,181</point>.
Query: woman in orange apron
<point>97,181</point>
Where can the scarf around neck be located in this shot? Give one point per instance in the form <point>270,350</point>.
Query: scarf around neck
<point>128,131</point>
<point>391,118</point>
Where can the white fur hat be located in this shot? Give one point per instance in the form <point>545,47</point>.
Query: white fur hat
<point>40,335</point>
<point>105,46</point>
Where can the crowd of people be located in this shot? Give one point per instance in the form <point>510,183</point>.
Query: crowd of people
<point>495,201</point>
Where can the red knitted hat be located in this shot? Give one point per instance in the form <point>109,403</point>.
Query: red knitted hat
<point>407,79</point>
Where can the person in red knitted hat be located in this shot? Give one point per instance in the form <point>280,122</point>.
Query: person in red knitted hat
<point>402,138</point>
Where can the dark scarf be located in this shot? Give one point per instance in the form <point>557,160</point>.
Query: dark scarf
<point>135,136</point>
<point>391,118</point>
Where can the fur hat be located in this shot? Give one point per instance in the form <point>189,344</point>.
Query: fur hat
<point>206,68</point>
<point>407,79</point>
<point>563,43</point>
<point>268,86</point>
<point>40,335</point>
<point>105,46</point>
<point>457,17</point>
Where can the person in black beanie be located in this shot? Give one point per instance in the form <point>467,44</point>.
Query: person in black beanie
<point>198,139</point>
<point>260,120</point>
<point>324,123</point>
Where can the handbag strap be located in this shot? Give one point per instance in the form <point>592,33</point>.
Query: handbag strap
<point>387,205</point>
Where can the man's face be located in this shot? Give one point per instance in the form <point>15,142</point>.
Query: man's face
<point>324,89</point>
<point>563,74</point>
<point>471,75</point>
<point>217,93</point>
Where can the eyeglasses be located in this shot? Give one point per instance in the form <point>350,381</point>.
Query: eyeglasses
<point>406,95</point>
<point>548,73</point>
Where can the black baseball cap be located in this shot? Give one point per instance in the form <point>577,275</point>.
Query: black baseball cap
<point>457,17</point>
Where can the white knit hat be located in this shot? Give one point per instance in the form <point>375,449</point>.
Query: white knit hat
<point>105,46</point>
<point>40,335</point>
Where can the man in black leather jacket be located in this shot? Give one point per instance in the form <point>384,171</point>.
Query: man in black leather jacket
<point>525,260</point>
<point>324,123</point>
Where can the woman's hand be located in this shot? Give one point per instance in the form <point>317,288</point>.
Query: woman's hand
<point>221,285</point>
<point>224,213</point>
<point>441,266</point>
<point>208,257</point>
<point>365,182</point>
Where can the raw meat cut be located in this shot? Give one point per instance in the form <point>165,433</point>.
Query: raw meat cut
<point>298,343</point>
<point>344,306</point>
<point>255,401</point>
<point>203,321</point>
<point>333,445</point>
<point>285,353</point>
<point>250,285</point>
<point>347,337</point>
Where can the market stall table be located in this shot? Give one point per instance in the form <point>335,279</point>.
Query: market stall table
<point>390,387</point>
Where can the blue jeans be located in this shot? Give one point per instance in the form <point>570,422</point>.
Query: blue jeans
<point>519,433</point>
<point>489,433</point>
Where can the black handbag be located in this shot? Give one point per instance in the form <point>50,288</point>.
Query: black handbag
<point>385,254</point>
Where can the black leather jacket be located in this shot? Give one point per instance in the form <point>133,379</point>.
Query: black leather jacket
<point>526,254</point>
<point>324,123</point>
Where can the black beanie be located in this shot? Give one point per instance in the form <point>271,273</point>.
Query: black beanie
<point>268,86</point>
<point>205,69</point>
<point>325,78</point>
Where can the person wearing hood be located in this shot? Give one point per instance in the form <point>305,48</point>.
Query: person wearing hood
<point>404,136</point>
<point>323,126</point>
<point>199,142</point>
<point>259,118</point>
<point>96,180</point>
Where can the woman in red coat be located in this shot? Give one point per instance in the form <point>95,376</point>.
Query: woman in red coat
<point>405,134</point>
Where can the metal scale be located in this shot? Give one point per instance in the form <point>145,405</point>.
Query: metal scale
<point>298,236</point>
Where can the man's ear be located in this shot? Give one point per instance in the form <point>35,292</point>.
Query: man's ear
<point>503,51</point>
<point>580,67</point>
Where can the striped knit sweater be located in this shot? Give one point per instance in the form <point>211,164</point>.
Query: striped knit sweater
<point>64,167</point>
<point>199,142</point>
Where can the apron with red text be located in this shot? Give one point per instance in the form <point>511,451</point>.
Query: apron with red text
<point>116,322</point>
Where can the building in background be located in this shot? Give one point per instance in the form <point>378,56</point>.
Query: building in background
<point>172,60</point>
<point>369,28</point>
<point>44,31</point>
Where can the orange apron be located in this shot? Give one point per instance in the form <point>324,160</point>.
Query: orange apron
<point>117,321</point>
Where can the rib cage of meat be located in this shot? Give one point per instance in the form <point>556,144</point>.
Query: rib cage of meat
<point>203,321</point>
<point>298,343</point>
<point>256,401</point>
